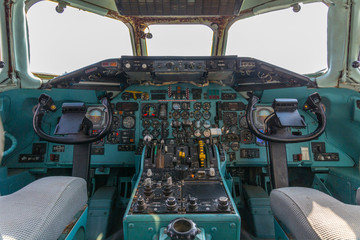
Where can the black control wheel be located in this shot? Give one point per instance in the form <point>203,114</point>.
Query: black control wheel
<point>313,103</point>
<point>46,104</point>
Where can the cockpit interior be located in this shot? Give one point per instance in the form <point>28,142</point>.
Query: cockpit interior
<point>179,147</point>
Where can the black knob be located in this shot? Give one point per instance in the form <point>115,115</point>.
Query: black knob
<point>169,65</point>
<point>140,203</point>
<point>171,203</point>
<point>193,202</point>
<point>182,229</point>
<point>167,190</point>
<point>223,203</point>
<point>356,64</point>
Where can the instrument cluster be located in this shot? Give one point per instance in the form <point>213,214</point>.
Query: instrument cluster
<point>209,114</point>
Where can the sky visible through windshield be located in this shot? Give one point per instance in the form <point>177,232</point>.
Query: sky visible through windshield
<point>64,42</point>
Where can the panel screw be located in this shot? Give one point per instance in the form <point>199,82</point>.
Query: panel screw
<point>150,229</point>
<point>214,229</point>
<point>232,225</point>
<point>131,225</point>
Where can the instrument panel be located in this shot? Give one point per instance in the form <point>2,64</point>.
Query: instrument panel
<point>182,112</point>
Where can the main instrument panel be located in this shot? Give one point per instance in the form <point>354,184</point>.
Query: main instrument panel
<point>183,112</point>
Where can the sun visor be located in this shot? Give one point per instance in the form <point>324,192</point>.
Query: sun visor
<point>179,7</point>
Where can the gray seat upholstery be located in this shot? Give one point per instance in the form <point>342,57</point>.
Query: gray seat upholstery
<point>310,214</point>
<point>42,209</point>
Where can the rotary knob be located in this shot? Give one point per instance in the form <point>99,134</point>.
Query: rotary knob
<point>171,203</point>
<point>223,203</point>
<point>140,204</point>
<point>193,203</point>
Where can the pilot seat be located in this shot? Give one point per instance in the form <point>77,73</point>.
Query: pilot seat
<point>42,209</point>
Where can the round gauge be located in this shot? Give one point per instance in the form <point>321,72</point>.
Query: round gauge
<point>176,124</point>
<point>128,122</point>
<point>197,115</point>
<point>176,115</point>
<point>155,124</point>
<point>261,114</point>
<point>155,133</point>
<point>226,147</point>
<point>234,130</point>
<point>235,146</point>
<point>243,122</point>
<point>197,106</point>
<point>188,134</point>
<point>206,115</point>
<point>115,123</point>
<point>206,106</point>
<point>146,123</point>
<point>145,133</point>
<point>165,124</point>
<point>96,116</point>
<point>246,136</point>
<point>149,110</point>
<point>187,123</point>
<point>185,115</point>
<point>185,106</point>
<point>176,106</point>
<point>197,124</point>
<point>207,124</point>
<point>180,134</point>
<point>207,133</point>
<point>113,137</point>
<point>197,133</point>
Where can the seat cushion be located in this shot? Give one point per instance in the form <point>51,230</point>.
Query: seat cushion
<point>311,214</point>
<point>42,209</point>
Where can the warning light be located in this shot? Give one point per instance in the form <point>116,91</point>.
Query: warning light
<point>117,134</point>
<point>53,107</point>
<point>131,140</point>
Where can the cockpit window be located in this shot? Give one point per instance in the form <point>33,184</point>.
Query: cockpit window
<point>295,41</point>
<point>64,42</point>
<point>179,40</point>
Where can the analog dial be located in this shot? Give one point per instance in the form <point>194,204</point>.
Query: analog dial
<point>207,124</point>
<point>146,123</point>
<point>197,133</point>
<point>185,115</point>
<point>197,115</point>
<point>197,106</point>
<point>176,115</point>
<point>206,115</point>
<point>207,133</point>
<point>235,146</point>
<point>206,106</point>
<point>128,122</point>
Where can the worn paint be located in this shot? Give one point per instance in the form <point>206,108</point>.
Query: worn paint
<point>140,23</point>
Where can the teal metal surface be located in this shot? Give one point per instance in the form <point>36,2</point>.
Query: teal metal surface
<point>100,207</point>
<point>201,236</point>
<point>258,212</point>
<point>79,225</point>
<point>279,232</point>
<point>13,180</point>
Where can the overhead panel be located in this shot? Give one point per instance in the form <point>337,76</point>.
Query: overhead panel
<point>179,7</point>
